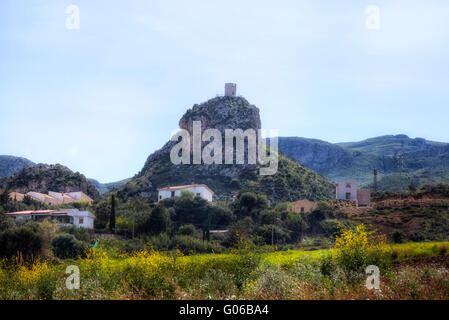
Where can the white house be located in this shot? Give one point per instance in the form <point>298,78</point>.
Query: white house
<point>346,190</point>
<point>175,191</point>
<point>83,219</point>
<point>74,217</point>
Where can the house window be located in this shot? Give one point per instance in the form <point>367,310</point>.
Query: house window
<point>302,209</point>
<point>348,196</point>
<point>198,194</point>
<point>160,197</point>
<point>81,220</point>
<point>348,185</point>
<point>172,194</point>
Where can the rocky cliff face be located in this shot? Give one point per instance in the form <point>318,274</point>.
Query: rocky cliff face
<point>291,182</point>
<point>44,178</point>
<point>10,165</point>
<point>317,155</point>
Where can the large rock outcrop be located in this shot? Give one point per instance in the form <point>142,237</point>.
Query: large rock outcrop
<point>291,182</point>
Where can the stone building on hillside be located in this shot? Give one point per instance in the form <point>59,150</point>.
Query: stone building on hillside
<point>348,190</point>
<point>53,198</point>
<point>363,198</point>
<point>302,206</point>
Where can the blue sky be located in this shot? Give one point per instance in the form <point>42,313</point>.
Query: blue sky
<point>102,98</point>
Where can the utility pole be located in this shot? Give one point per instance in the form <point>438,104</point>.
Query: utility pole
<point>272,235</point>
<point>112,217</point>
<point>134,223</point>
<point>401,168</point>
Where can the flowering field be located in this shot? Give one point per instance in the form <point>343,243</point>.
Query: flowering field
<point>337,273</point>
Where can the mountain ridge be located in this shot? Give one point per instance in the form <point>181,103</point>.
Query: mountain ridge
<point>44,177</point>
<point>422,160</point>
<point>12,164</point>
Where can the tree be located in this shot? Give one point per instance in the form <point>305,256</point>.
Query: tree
<point>159,220</point>
<point>249,204</point>
<point>297,226</point>
<point>102,211</point>
<point>138,208</point>
<point>47,230</point>
<point>24,240</point>
<point>191,210</point>
<point>4,198</point>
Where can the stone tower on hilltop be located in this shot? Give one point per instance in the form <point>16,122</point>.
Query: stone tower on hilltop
<point>230,89</point>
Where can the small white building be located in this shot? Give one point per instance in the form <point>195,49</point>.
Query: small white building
<point>346,190</point>
<point>200,190</point>
<point>63,217</point>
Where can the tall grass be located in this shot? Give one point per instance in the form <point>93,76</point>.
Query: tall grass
<point>243,274</point>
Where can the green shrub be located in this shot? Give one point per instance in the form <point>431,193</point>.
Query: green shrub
<point>185,244</point>
<point>398,236</point>
<point>67,246</point>
<point>131,246</point>
<point>359,248</point>
<point>327,265</point>
<point>81,234</point>
<point>150,285</point>
<point>46,286</point>
<point>417,236</point>
<point>272,283</point>
<point>187,230</point>
<point>24,240</point>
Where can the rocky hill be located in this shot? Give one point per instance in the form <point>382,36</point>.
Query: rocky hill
<point>10,165</point>
<point>291,182</point>
<point>44,178</point>
<point>400,160</point>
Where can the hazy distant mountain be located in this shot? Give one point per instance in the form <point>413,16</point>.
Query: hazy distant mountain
<point>400,160</point>
<point>10,165</point>
<point>106,187</point>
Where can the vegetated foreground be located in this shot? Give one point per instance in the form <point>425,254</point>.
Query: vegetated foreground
<point>407,271</point>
